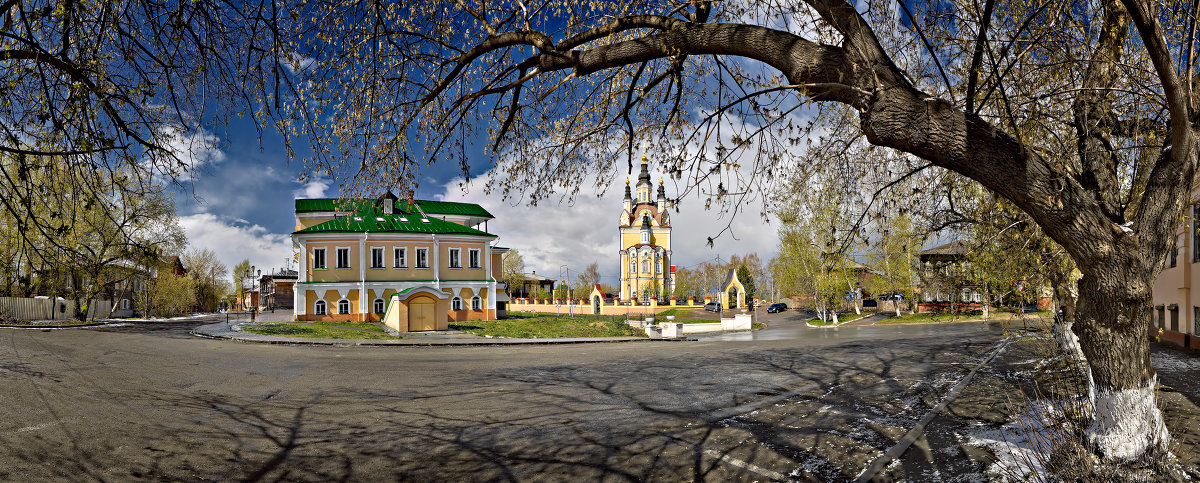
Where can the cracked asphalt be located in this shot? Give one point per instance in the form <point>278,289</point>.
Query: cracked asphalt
<point>151,401</point>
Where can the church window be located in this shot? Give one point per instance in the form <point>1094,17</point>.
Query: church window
<point>632,266</point>
<point>645,236</point>
<point>658,266</point>
<point>645,266</point>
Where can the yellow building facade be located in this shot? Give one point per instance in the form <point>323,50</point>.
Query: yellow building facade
<point>645,232</point>
<point>359,257</point>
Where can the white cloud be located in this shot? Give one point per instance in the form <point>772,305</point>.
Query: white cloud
<point>315,188</point>
<point>193,150</point>
<point>234,240</point>
<point>550,234</point>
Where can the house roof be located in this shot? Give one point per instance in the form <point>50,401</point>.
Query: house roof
<point>956,247</point>
<point>347,205</point>
<point>372,220</point>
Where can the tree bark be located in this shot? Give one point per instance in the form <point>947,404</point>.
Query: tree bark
<point>1113,318</point>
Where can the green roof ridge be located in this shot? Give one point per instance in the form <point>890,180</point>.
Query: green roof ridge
<point>368,223</point>
<point>318,205</point>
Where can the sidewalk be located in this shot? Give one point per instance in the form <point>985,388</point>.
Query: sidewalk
<point>229,331</point>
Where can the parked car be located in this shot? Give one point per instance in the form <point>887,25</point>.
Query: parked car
<point>713,306</point>
<point>776,307</point>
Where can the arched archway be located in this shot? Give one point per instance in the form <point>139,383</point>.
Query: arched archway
<point>734,296</point>
<point>595,305</point>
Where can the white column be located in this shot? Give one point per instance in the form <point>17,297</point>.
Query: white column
<point>437,265</point>
<point>362,274</point>
<point>299,301</point>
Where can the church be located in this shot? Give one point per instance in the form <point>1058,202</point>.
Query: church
<point>645,227</point>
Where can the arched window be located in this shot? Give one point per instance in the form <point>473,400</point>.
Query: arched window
<point>343,306</point>
<point>378,306</point>
<point>319,308</point>
<point>632,265</point>
<point>645,266</point>
<point>476,303</point>
<point>645,236</point>
<point>456,303</point>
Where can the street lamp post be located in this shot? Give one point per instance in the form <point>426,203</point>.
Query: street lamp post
<point>253,284</point>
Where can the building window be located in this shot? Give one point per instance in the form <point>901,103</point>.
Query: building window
<point>378,306</point>
<point>645,266</point>
<point>319,258</point>
<point>473,258</point>
<point>658,266</point>
<point>377,257</point>
<point>476,303</point>
<point>124,304</point>
<point>1195,233</point>
<point>632,266</point>
<point>422,258</point>
<point>343,258</point>
<point>456,303</point>
<point>343,306</point>
<point>400,257</point>
<point>319,308</point>
<point>455,258</point>
<point>1173,256</point>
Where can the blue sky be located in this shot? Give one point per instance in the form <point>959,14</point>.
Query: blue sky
<point>240,205</point>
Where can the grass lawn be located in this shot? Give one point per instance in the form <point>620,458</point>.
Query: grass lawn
<point>820,323</point>
<point>942,318</point>
<point>543,326</point>
<point>690,316</point>
<point>319,329</point>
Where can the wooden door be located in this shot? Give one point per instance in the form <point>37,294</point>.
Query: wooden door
<point>422,314</point>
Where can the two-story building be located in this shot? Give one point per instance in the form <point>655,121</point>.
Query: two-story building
<point>1176,308</point>
<point>359,256</point>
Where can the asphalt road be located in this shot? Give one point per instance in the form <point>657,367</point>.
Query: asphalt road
<point>150,401</point>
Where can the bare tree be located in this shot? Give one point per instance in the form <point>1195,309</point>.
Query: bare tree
<point>716,90</point>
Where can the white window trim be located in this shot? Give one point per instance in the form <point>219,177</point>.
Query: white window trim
<point>456,303</point>
<point>417,260</point>
<point>476,263</point>
<point>452,255</point>
<point>378,306</point>
<point>319,308</point>
<point>324,258</point>
<point>348,265</point>
<point>382,258</point>
<point>400,261</point>
<point>476,303</point>
<point>349,308</point>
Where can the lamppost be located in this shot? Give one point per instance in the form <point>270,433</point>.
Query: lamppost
<point>253,284</point>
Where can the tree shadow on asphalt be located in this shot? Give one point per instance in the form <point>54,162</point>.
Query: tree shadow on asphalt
<point>798,415</point>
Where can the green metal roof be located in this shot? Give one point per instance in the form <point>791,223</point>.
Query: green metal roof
<point>373,221</point>
<point>318,205</point>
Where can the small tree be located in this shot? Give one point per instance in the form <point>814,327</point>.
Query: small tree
<point>240,272</point>
<point>169,294</point>
<point>894,259</point>
<point>512,270</point>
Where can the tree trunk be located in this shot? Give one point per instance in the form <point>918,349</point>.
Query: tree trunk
<point>1113,318</point>
<point>1064,319</point>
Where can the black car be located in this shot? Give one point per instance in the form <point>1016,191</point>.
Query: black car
<point>776,307</point>
<point>713,306</point>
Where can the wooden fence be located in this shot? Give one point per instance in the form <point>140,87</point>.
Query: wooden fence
<point>47,309</point>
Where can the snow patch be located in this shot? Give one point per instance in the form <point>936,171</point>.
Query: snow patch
<point>1019,446</point>
<point>1172,362</point>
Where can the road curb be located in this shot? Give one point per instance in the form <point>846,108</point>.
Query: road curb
<point>872,470</point>
<point>64,327</point>
<point>412,343</point>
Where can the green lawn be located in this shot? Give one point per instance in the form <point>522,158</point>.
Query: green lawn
<point>320,330</point>
<point>544,326</point>
<point>689,316</point>
<point>818,322</point>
